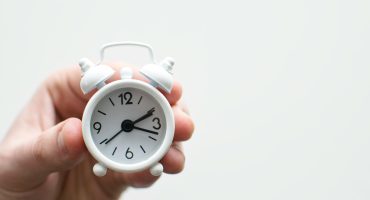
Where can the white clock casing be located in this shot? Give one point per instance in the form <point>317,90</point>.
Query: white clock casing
<point>159,75</point>
<point>87,134</point>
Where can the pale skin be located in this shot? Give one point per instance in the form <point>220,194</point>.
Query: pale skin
<point>43,155</point>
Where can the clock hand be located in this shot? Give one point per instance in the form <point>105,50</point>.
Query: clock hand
<point>146,130</point>
<point>115,135</point>
<point>128,125</point>
<point>148,114</point>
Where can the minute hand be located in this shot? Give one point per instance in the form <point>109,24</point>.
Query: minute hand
<point>148,114</point>
<point>115,135</point>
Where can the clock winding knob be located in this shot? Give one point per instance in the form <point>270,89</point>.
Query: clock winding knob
<point>126,73</point>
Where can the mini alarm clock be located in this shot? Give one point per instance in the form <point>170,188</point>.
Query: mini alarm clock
<point>127,125</point>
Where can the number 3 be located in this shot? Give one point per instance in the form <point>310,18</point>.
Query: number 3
<point>158,125</point>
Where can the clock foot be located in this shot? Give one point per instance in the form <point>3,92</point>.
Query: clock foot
<point>157,169</point>
<point>99,170</point>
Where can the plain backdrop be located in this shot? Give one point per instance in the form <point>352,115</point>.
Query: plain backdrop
<point>279,90</point>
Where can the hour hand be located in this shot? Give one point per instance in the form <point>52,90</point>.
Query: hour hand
<point>148,114</point>
<point>146,130</point>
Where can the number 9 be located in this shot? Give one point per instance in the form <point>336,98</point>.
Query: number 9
<point>97,126</point>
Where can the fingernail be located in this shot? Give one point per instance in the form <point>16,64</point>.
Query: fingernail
<point>60,140</point>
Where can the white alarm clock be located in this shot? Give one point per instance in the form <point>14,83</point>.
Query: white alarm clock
<point>127,125</point>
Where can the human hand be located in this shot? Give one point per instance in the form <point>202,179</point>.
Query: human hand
<point>43,155</point>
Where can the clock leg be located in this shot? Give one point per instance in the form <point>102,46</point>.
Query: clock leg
<point>99,170</point>
<point>157,169</point>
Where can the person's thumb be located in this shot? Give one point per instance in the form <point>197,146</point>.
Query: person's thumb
<point>56,149</point>
<point>60,147</point>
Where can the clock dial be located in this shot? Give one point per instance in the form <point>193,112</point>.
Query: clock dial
<point>128,125</point>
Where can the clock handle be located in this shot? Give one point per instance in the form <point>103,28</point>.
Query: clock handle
<point>157,169</point>
<point>127,43</point>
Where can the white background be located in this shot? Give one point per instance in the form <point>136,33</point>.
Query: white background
<point>279,90</point>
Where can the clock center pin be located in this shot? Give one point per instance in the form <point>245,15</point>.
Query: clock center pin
<point>127,125</point>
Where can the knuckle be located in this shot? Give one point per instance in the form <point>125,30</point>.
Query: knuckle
<point>143,184</point>
<point>143,181</point>
<point>189,133</point>
<point>176,163</point>
<point>38,150</point>
<point>181,166</point>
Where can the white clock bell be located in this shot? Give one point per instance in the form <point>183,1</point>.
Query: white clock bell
<point>127,125</point>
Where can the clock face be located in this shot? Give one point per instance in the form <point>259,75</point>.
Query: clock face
<point>128,125</point>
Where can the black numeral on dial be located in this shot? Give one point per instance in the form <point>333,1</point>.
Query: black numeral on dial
<point>157,122</point>
<point>127,97</point>
<point>129,154</point>
<point>97,126</point>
